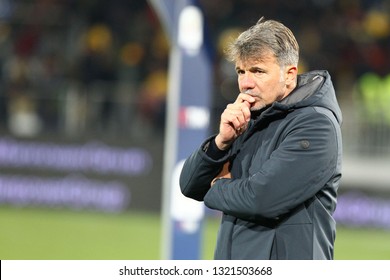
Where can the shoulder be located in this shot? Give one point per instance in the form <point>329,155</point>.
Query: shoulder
<point>313,119</point>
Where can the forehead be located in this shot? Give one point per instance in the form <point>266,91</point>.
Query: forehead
<point>264,59</point>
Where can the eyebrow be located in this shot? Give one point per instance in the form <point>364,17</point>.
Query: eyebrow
<point>251,69</point>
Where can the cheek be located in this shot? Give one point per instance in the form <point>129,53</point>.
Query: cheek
<point>270,92</point>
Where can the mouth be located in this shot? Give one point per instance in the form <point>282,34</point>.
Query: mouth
<point>251,93</point>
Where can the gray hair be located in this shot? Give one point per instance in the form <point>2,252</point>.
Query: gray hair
<point>265,36</point>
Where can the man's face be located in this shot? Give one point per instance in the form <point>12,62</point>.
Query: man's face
<point>263,79</point>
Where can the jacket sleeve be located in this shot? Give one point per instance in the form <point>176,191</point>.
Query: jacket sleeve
<point>303,163</point>
<point>198,171</point>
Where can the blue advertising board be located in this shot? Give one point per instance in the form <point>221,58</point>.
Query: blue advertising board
<point>188,118</point>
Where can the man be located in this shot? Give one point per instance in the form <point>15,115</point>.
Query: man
<point>274,167</point>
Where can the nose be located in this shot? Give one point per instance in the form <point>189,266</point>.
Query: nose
<point>246,81</point>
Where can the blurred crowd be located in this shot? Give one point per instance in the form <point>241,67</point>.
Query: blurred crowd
<point>71,66</point>
<point>75,67</point>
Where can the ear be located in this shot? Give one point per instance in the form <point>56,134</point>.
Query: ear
<point>291,73</point>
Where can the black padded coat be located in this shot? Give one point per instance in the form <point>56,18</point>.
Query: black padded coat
<point>286,170</point>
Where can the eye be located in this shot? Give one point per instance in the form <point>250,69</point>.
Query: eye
<point>240,72</point>
<point>258,71</point>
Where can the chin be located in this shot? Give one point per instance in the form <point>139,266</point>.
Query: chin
<point>257,107</point>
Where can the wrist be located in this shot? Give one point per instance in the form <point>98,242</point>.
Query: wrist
<point>221,144</point>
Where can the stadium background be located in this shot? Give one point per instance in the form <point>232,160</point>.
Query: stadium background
<point>82,117</point>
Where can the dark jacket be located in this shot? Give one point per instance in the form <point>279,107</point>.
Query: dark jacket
<point>285,171</point>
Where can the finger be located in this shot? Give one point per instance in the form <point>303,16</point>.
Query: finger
<point>235,118</point>
<point>244,109</point>
<point>241,111</point>
<point>246,112</point>
<point>242,129</point>
<point>244,97</point>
